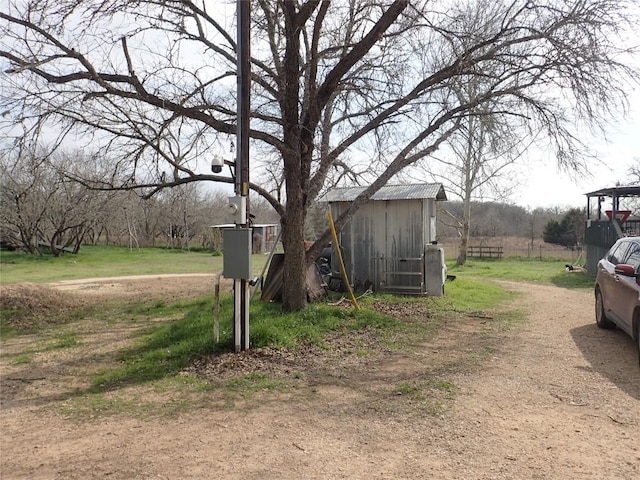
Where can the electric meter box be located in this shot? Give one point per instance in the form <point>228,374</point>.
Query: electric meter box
<point>236,243</point>
<point>238,209</point>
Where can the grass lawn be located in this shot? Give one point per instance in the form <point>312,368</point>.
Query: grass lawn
<point>120,261</point>
<point>109,262</point>
<point>551,272</point>
<point>181,332</point>
<point>166,337</point>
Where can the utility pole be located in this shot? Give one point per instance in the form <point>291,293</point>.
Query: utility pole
<point>237,241</point>
<point>241,286</point>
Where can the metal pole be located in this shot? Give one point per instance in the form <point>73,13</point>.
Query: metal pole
<point>237,320</point>
<point>242,160</point>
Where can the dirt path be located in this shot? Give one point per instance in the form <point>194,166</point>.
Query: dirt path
<point>557,399</point>
<point>174,285</point>
<point>561,401</point>
<point>83,282</point>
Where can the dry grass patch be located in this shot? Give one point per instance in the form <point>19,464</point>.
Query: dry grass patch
<point>27,306</point>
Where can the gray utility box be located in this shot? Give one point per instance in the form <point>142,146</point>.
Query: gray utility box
<point>236,243</point>
<point>435,270</point>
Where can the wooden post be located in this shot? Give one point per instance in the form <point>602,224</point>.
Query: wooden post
<point>216,308</point>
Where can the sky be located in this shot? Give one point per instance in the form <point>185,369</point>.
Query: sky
<point>546,186</point>
<point>536,181</point>
<point>543,185</point>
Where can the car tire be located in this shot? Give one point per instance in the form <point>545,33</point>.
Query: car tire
<point>601,318</point>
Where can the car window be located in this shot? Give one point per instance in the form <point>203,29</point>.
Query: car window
<point>633,256</point>
<point>617,253</point>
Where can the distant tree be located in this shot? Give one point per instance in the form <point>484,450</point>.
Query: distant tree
<point>553,233</point>
<point>567,232</point>
<point>633,175</point>
<point>262,211</point>
<point>495,218</point>
<point>532,224</point>
<point>574,224</point>
<point>481,151</point>
<point>41,206</point>
<point>23,199</point>
<point>634,172</point>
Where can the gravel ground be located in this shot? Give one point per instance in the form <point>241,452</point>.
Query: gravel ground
<point>553,398</point>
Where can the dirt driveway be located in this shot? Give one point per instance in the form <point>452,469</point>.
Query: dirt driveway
<point>555,398</point>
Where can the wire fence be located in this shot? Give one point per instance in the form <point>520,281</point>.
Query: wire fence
<point>539,251</point>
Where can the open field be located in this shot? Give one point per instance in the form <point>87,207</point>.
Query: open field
<point>119,261</point>
<point>526,270</point>
<point>110,262</point>
<point>519,247</point>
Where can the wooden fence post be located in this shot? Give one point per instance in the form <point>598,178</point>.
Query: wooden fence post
<point>216,308</point>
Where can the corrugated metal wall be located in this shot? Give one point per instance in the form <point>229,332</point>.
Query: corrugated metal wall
<point>599,237</point>
<point>405,245</point>
<point>384,243</point>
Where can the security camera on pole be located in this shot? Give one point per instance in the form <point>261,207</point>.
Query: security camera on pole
<point>217,162</point>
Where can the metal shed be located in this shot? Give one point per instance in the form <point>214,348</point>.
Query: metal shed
<point>265,236</point>
<point>389,241</point>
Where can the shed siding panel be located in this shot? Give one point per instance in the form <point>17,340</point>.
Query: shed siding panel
<point>363,247</point>
<point>404,243</point>
<point>384,243</point>
<point>344,236</point>
<point>430,221</point>
<point>380,235</point>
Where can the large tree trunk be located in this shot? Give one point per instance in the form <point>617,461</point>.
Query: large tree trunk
<point>294,290</point>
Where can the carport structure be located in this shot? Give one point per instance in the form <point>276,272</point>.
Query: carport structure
<point>608,220</point>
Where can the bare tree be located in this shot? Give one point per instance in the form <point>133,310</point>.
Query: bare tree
<point>478,157</point>
<point>70,210</point>
<point>634,173</point>
<point>481,153</point>
<point>23,200</point>
<point>633,178</point>
<point>358,89</point>
<point>42,207</point>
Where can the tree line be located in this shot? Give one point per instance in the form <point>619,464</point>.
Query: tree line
<point>497,219</point>
<point>43,209</point>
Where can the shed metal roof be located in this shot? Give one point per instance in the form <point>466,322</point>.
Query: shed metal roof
<point>622,191</point>
<point>389,192</point>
